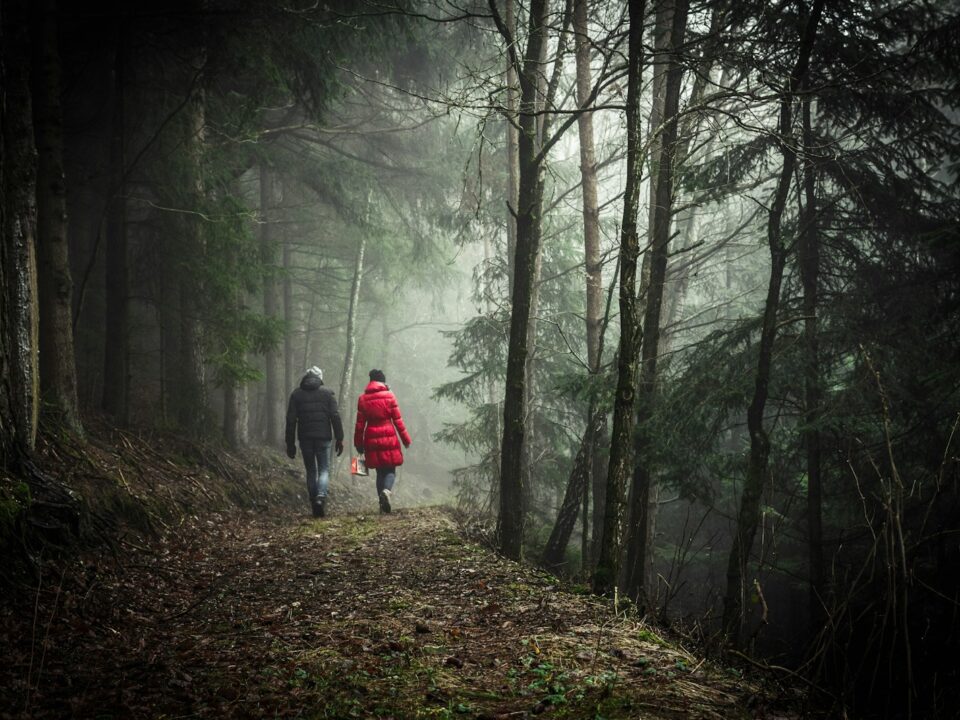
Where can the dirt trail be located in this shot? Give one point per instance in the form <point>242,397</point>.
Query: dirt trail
<point>368,616</point>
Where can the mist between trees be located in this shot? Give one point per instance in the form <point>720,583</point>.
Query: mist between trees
<point>668,291</point>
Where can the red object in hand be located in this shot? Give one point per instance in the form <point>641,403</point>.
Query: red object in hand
<point>358,466</point>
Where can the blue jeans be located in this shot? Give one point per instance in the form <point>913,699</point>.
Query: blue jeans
<point>316,460</point>
<point>385,478</point>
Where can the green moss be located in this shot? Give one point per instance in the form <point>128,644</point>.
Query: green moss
<point>647,635</point>
<point>14,501</point>
<point>349,531</point>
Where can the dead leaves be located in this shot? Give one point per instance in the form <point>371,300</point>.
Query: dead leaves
<point>273,616</point>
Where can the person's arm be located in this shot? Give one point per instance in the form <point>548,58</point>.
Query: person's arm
<point>291,430</point>
<point>398,421</point>
<point>337,424</point>
<point>358,430</point>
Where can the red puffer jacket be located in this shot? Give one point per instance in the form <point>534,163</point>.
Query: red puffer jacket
<point>378,422</point>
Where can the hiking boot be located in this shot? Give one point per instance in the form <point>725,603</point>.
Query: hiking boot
<point>384,501</point>
<point>318,507</point>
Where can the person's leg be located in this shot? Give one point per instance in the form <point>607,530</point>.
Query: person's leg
<point>309,453</point>
<point>323,468</point>
<point>379,480</point>
<point>389,477</point>
<point>385,478</point>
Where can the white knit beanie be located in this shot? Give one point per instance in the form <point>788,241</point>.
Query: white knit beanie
<point>315,371</point>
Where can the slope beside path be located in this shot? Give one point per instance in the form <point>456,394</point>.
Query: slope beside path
<point>397,616</point>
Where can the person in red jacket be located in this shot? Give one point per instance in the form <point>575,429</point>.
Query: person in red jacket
<point>378,423</point>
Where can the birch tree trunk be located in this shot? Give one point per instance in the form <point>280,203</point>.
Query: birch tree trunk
<point>19,371</point>
<point>670,29</point>
<point>58,375</point>
<point>608,562</point>
<point>346,376</point>
<point>748,515</point>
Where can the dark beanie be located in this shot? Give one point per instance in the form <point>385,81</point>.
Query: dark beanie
<point>378,376</point>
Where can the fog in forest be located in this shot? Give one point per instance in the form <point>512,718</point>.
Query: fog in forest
<point>667,291</point>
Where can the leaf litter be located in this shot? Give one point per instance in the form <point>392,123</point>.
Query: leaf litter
<point>270,614</point>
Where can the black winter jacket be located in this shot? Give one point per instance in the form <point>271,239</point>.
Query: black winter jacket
<point>312,411</point>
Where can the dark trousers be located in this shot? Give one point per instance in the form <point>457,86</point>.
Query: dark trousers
<point>316,460</point>
<point>385,478</point>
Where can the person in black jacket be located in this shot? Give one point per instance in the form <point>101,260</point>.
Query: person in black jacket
<point>311,415</point>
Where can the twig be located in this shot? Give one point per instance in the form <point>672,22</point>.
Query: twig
<point>786,671</point>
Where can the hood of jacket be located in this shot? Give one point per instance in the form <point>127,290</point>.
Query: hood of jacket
<point>310,382</point>
<point>376,386</point>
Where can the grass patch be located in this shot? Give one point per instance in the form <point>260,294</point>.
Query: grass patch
<point>348,531</point>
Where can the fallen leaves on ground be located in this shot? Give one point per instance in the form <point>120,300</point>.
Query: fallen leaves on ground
<point>274,615</point>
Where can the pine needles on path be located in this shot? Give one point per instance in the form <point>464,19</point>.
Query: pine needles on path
<point>398,616</point>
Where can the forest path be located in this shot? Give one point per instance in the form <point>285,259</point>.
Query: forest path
<point>394,616</point>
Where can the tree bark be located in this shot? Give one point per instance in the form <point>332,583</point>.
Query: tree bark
<point>591,256</point>
<point>588,175</point>
<point>58,374</point>
<point>288,373</point>
<point>235,414</point>
<point>608,563</point>
<point>495,429</point>
<point>556,547</point>
<point>346,375</point>
<point>19,371</point>
<point>191,390</point>
<point>671,27</point>
<point>116,364</point>
<point>748,515</point>
<point>268,255</point>
<point>513,144</point>
<point>529,207</point>
<point>808,251</point>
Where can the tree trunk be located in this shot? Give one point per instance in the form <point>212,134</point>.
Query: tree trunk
<point>272,395</point>
<point>748,515</point>
<point>116,365</point>
<point>288,374</point>
<point>608,563</point>
<point>556,547</point>
<point>191,389</point>
<point>58,374</point>
<point>19,372</point>
<point>513,145</point>
<point>529,207</point>
<point>588,175</point>
<point>808,251</point>
<point>494,427</point>
<point>235,412</point>
<point>591,245</point>
<point>346,376</point>
<point>670,30</point>
<point>168,313</point>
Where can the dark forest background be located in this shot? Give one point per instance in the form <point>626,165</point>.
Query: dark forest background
<point>669,290</point>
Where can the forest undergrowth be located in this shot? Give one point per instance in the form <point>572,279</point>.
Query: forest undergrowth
<point>223,599</point>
